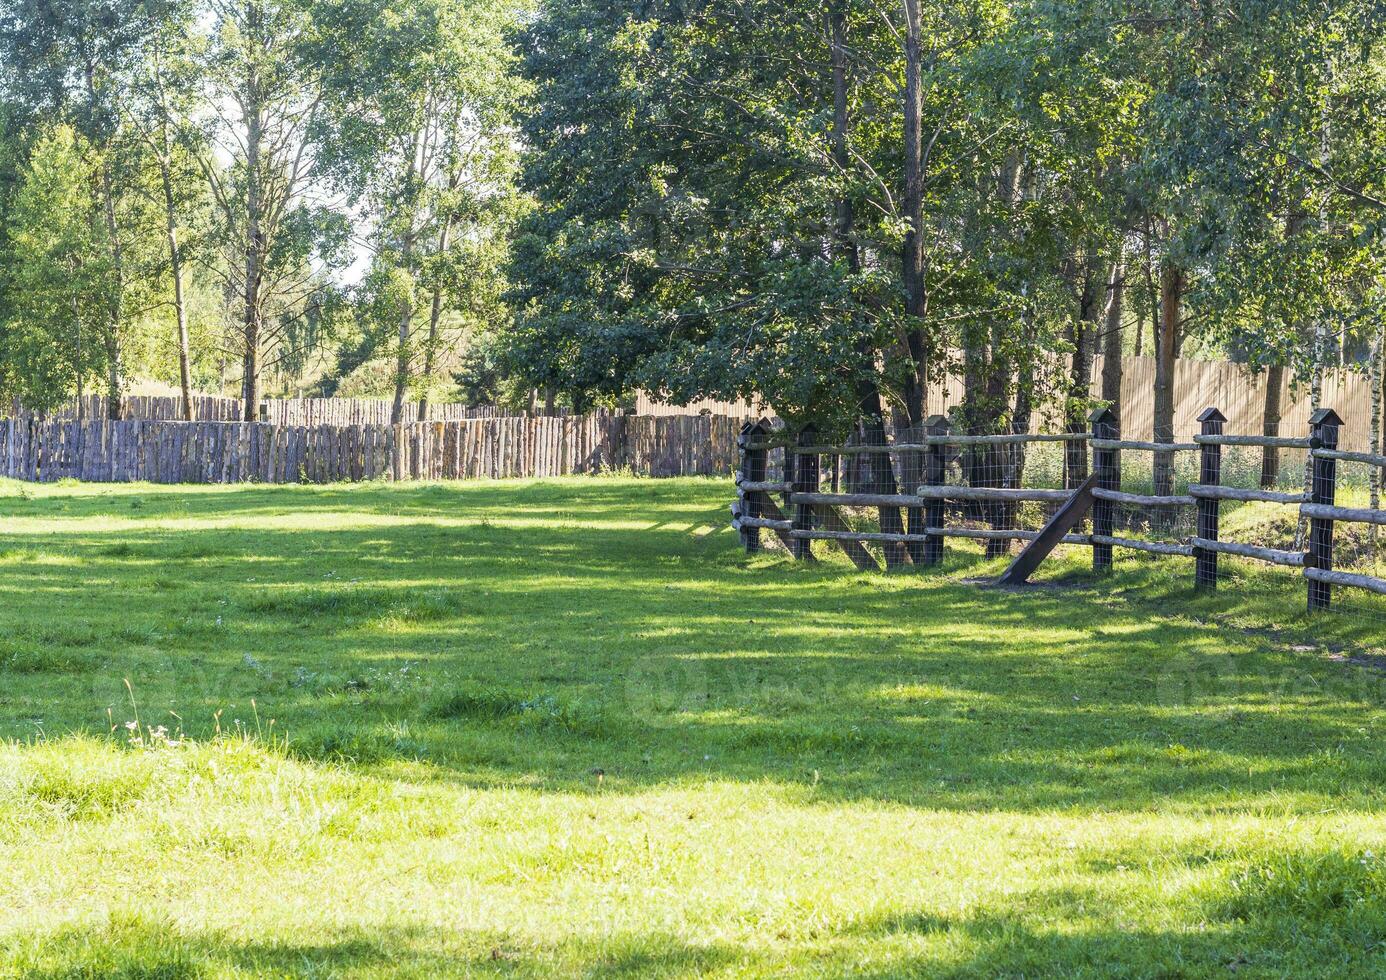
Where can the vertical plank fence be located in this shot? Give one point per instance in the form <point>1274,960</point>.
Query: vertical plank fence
<point>99,449</point>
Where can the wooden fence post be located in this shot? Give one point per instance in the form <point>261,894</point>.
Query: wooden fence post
<point>1323,433</point>
<point>1106,466</point>
<point>805,481</point>
<point>751,443</point>
<point>1209,474</point>
<point>936,427</point>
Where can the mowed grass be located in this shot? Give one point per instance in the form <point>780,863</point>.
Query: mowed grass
<point>567,728</point>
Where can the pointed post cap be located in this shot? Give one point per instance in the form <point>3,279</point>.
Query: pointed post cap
<point>750,431</point>
<point>1103,414</point>
<point>1325,416</point>
<point>937,425</point>
<point>1211,414</point>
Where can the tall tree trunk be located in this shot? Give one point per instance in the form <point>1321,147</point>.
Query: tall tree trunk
<point>1316,364</point>
<point>115,380</point>
<point>435,317</point>
<point>1083,334</point>
<point>1021,416</point>
<point>845,247</point>
<point>1111,338</point>
<point>1317,353</point>
<point>987,376</point>
<point>114,312</point>
<point>406,313</point>
<point>1171,299</point>
<point>254,264</point>
<point>1152,290</point>
<point>1270,425</point>
<point>912,257</point>
<point>175,264</point>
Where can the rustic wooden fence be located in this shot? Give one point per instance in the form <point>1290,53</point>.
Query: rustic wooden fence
<point>368,411</point>
<point>101,450</point>
<point>206,408</point>
<point>278,411</point>
<point>911,526</point>
<point>1240,395</point>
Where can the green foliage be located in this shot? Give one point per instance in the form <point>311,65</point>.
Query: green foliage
<point>418,127</point>
<point>693,175</point>
<point>57,278</point>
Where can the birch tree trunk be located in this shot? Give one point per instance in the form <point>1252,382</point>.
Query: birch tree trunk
<point>114,313</point>
<point>175,264</point>
<point>435,317</point>
<point>254,256</point>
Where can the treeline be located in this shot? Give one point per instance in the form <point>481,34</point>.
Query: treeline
<point>829,206</point>
<point>833,204</point>
<point>252,192</point>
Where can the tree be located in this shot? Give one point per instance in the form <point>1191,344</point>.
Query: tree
<point>72,62</point>
<point>58,277</point>
<point>418,126</point>
<point>160,113</point>
<point>261,102</point>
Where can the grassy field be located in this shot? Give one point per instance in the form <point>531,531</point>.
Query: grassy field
<point>567,728</point>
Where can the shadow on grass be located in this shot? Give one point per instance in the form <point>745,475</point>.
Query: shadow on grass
<point>138,947</point>
<point>538,653</point>
<point>1275,928</point>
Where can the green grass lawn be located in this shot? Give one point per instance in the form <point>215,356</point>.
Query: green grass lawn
<point>566,727</point>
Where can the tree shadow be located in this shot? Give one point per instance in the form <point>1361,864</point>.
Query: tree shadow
<point>139,947</point>
<point>490,652</point>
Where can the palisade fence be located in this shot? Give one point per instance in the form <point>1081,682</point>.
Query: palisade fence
<point>102,450</point>
<point>1239,394</point>
<point>278,411</point>
<point>1201,500</point>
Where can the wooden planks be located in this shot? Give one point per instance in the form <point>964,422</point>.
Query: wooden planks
<point>168,451</point>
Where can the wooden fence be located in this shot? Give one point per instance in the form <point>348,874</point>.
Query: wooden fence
<point>207,408</point>
<point>913,522</point>
<point>277,411</point>
<point>101,450</point>
<point>1240,394</point>
<point>367,411</point>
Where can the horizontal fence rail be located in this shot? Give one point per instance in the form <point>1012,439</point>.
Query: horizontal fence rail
<point>102,450</point>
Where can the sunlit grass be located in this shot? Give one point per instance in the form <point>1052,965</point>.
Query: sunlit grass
<point>566,727</point>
